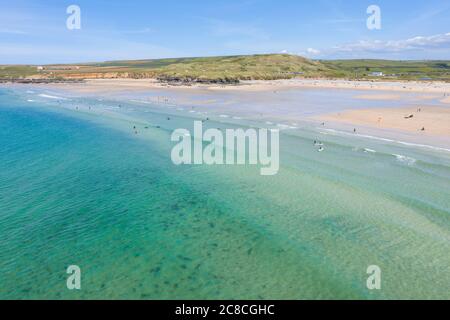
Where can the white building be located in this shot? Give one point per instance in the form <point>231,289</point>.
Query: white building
<point>376,74</point>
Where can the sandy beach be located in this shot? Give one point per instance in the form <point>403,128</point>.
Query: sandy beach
<point>427,121</point>
<point>412,86</point>
<point>380,106</point>
<point>442,88</point>
<point>446,100</point>
<point>435,119</point>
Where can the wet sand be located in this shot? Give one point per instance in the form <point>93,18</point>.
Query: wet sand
<point>259,85</point>
<point>429,120</point>
<point>446,100</point>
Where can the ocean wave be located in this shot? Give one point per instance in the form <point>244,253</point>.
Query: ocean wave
<point>283,126</point>
<point>405,159</point>
<point>43,95</point>
<point>141,101</point>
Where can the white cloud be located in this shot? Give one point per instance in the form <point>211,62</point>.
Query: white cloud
<point>416,43</point>
<point>310,52</point>
<point>313,51</point>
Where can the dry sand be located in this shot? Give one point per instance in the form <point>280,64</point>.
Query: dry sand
<point>435,120</point>
<point>410,86</point>
<point>142,84</point>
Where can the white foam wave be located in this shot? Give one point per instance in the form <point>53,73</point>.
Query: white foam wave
<point>404,159</point>
<point>282,126</point>
<point>43,95</point>
<point>141,101</point>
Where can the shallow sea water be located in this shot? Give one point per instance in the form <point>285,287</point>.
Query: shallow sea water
<point>78,186</point>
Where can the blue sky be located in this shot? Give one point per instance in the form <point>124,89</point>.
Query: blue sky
<point>35,32</point>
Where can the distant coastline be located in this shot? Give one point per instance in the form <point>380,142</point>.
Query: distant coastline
<point>231,70</point>
<point>40,81</point>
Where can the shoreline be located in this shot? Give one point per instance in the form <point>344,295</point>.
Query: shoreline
<point>265,101</point>
<point>257,85</point>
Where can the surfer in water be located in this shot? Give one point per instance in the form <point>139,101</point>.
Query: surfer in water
<point>318,143</point>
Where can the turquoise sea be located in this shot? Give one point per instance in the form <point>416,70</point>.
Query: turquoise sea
<point>78,186</point>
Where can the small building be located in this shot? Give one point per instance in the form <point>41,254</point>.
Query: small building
<point>40,68</point>
<point>376,74</point>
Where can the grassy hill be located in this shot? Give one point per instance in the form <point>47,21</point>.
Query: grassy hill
<point>401,70</point>
<point>259,67</point>
<point>229,69</point>
<point>16,71</point>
